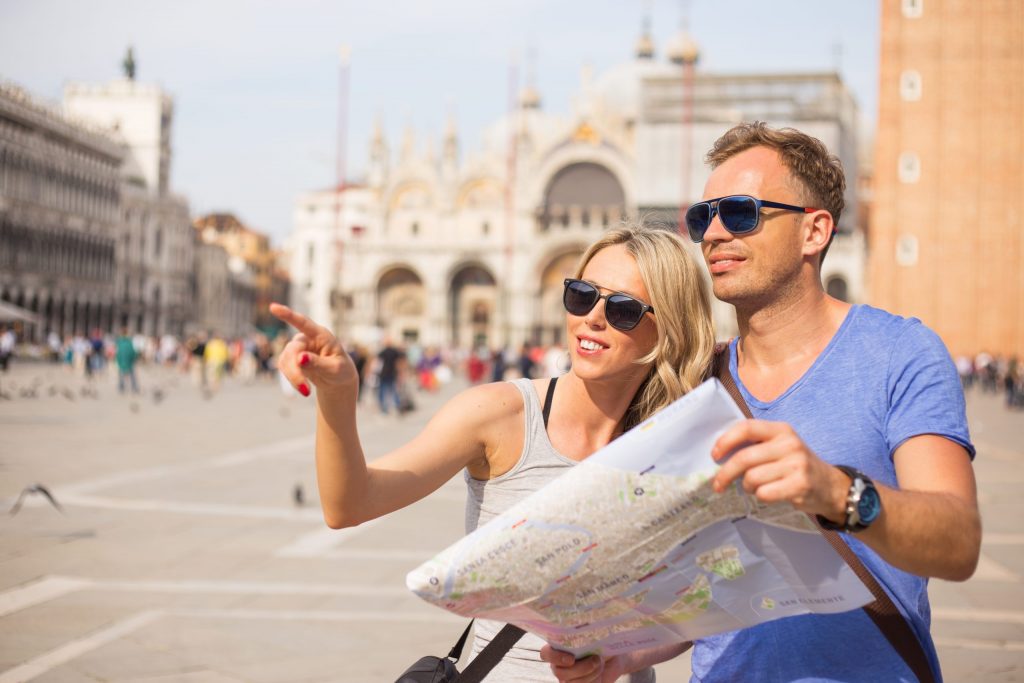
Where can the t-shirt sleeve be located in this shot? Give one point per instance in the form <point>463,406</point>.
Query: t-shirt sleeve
<point>925,395</point>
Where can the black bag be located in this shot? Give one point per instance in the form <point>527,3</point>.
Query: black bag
<point>431,669</point>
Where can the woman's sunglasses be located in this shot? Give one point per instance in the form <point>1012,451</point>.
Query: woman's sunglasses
<point>740,214</point>
<point>622,311</point>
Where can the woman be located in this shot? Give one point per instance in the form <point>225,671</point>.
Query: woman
<point>639,331</point>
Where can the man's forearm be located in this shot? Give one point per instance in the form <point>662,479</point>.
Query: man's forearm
<point>926,533</point>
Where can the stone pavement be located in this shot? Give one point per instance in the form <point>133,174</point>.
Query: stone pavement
<point>182,555</point>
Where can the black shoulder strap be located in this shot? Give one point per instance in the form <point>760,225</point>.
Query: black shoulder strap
<point>547,400</point>
<point>489,657</point>
<point>456,652</point>
<point>883,612</point>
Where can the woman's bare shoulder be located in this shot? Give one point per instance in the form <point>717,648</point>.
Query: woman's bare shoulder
<point>485,403</point>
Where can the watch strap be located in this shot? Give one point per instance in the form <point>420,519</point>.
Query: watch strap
<point>848,525</point>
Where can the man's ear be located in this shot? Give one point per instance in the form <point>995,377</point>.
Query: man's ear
<point>819,228</point>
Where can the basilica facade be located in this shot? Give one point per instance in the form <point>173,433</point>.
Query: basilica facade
<point>471,250</point>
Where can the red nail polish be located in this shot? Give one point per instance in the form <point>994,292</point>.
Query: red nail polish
<point>304,359</point>
<point>304,389</point>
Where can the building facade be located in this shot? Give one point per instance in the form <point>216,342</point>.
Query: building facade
<point>947,227</point>
<point>252,253</point>
<point>440,249</point>
<point>224,292</point>
<point>155,283</point>
<point>60,206</point>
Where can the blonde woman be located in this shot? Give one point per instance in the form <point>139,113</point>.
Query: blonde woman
<point>638,326</point>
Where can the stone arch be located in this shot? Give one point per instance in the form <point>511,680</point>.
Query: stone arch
<point>480,193</point>
<point>472,305</point>
<point>411,195</point>
<point>571,153</point>
<point>401,303</point>
<point>582,194</point>
<point>550,317</point>
<point>836,286</point>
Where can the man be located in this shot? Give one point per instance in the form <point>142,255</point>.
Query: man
<point>125,356</point>
<point>829,384</point>
<point>390,360</point>
<point>7,343</point>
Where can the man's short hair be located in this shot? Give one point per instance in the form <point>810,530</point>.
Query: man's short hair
<point>818,172</point>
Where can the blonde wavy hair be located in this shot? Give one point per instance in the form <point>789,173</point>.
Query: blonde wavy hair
<point>682,312</point>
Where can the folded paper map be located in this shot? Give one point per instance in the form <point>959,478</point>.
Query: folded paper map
<point>632,548</point>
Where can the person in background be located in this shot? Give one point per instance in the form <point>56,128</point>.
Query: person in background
<point>7,342</point>
<point>125,356</point>
<point>390,360</point>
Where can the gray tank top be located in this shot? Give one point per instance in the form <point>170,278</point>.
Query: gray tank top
<point>538,464</point>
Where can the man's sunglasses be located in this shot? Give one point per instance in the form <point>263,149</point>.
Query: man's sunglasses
<point>622,311</point>
<point>740,214</point>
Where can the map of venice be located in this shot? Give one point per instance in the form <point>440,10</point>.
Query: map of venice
<point>633,549</point>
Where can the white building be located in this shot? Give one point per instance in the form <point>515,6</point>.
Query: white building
<point>155,249</point>
<point>141,114</point>
<point>452,251</point>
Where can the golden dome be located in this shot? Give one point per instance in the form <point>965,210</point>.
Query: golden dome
<point>682,49</point>
<point>529,98</point>
<point>645,47</point>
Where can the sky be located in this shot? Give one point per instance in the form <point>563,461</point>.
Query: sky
<point>255,83</point>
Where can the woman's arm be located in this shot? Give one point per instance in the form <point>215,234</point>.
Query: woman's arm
<point>352,491</point>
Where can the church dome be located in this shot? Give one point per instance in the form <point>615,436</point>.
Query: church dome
<point>618,89</point>
<point>645,47</point>
<point>683,49</point>
<point>529,98</point>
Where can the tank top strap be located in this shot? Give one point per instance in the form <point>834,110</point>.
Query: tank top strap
<point>532,411</point>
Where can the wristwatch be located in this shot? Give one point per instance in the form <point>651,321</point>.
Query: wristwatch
<point>863,504</point>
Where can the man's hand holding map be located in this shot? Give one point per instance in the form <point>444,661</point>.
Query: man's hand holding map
<point>632,549</point>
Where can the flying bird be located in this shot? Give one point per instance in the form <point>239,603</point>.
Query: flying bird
<point>31,490</point>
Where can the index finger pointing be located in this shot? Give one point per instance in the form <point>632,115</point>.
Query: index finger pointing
<point>296,320</point>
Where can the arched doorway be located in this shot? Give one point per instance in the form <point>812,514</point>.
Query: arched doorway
<point>401,305</point>
<point>550,327</point>
<point>583,195</point>
<point>472,307</point>
<point>836,287</point>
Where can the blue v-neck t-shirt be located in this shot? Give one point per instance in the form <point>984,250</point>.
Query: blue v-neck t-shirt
<point>881,380</point>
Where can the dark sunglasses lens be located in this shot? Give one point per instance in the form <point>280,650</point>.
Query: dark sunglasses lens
<point>698,217</point>
<point>579,297</point>
<point>739,214</point>
<point>623,312</point>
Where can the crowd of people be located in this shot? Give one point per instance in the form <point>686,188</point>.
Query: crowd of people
<point>994,374</point>
<point>391,372</point>
<point>395,371</point>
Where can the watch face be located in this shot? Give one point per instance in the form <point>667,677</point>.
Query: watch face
<point>869,505</point>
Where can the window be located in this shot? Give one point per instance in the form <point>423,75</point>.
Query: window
<point>912,9</point>
<point>906,250</point>
<point>910,86</point>
<point>909,170</point>
<point>837,288</point>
